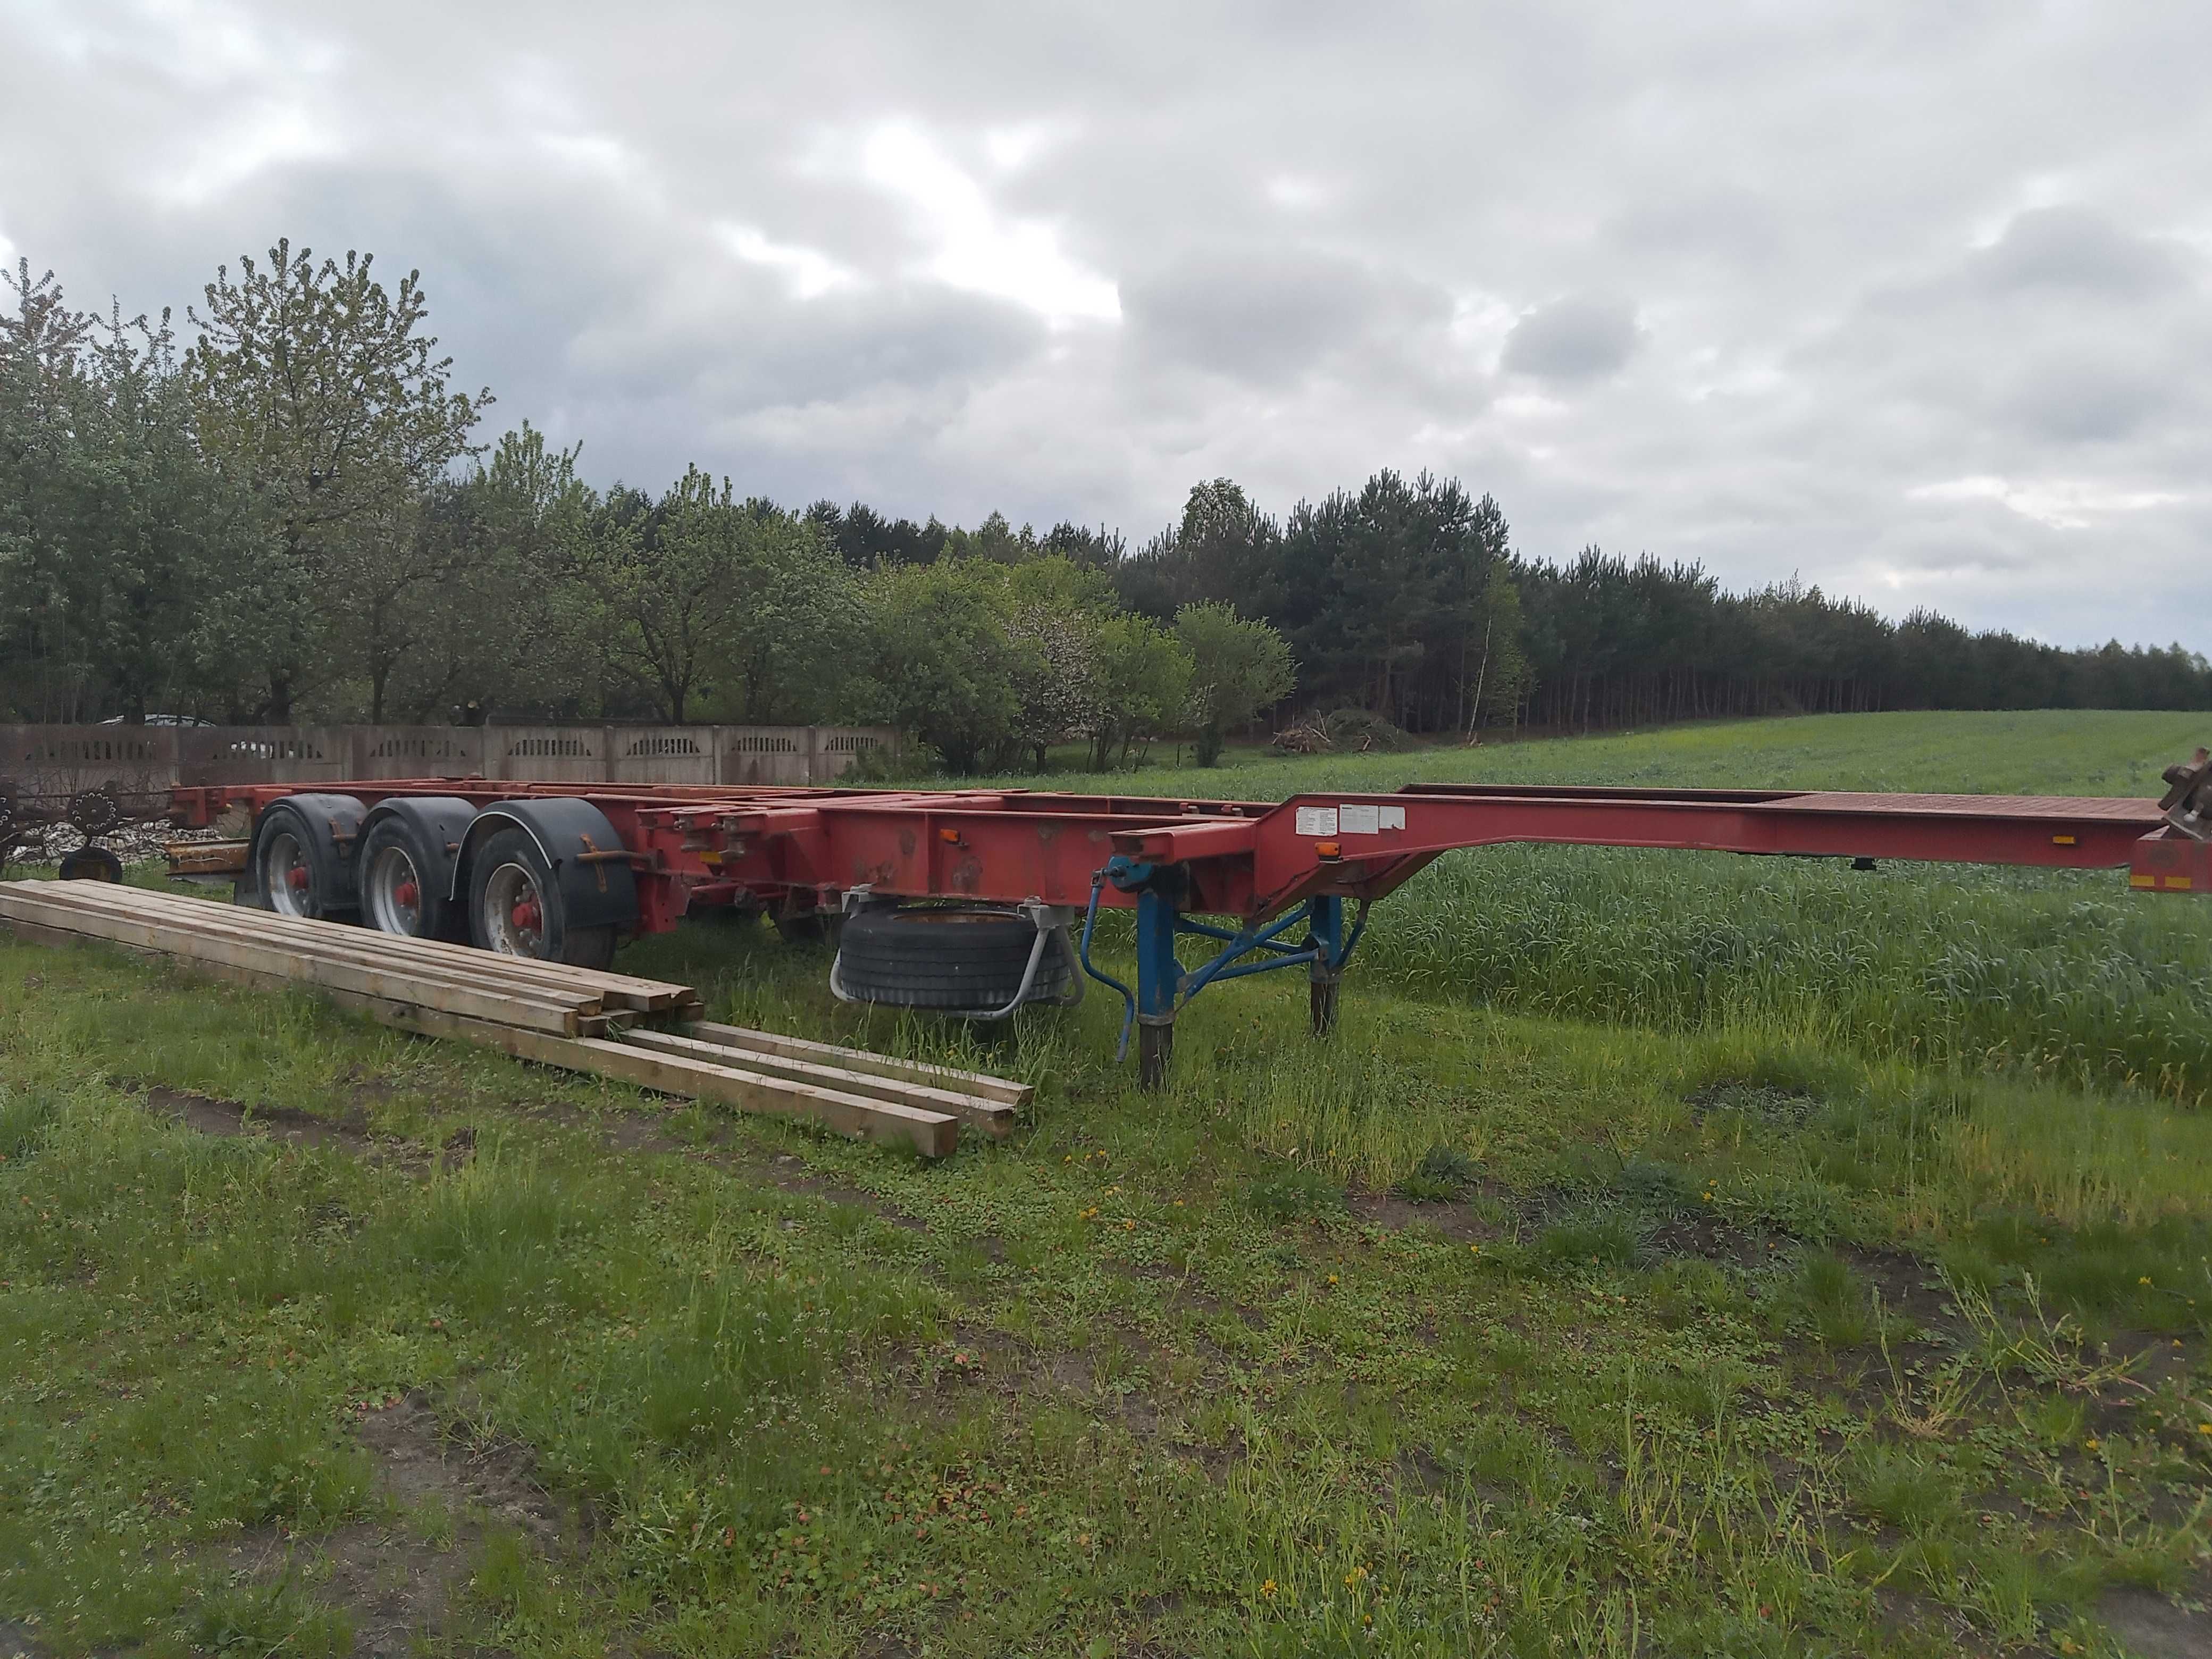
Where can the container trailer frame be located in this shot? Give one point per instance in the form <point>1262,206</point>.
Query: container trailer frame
<point>587,863</point>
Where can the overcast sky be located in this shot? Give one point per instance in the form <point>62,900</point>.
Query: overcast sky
<point>1912,300</point>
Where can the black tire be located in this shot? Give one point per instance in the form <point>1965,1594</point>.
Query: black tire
<point>398,884</point>
<point>295,869</point>
<point>92,864</point>
<point>953,958</point>
<point>507,874</point>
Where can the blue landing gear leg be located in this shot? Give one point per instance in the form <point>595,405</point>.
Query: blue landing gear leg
<point>1163,987</point>
<point>1326,918</point>
<point>1159,977</point>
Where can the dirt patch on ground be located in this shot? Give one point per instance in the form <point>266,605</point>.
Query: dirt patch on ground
<point>632,1132</point>
<point>2155,1627</point>
<point>1121,1387</point>
<point>396,1580</point>
<point>210,1116</point>
<point>416,1461</point>
<point>1910,1286</point>
<point>16,1641</point>
<point>1396,1212</point>
<point>1180,1291</point>
<point>788,1172</point>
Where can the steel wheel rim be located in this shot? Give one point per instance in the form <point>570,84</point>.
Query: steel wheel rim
<point>284,856</point>
<point>510,888</point>
<point>390,875</point>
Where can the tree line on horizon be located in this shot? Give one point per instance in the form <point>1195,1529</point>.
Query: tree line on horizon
<point>293,515</point>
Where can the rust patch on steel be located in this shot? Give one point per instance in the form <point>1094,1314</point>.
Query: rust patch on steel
<point>906,843</point>
<point>1049,832</point>
<point>968,874</point>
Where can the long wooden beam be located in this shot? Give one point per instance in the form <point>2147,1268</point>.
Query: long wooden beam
<point>334,943</point>
<point>303,965</point>
<point>614,990</point>
<point>931,1134</point>
<point>993,1117</point>
<point>978,1083</point>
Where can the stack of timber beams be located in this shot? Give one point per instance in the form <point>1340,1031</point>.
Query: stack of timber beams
<point>639,1031</point>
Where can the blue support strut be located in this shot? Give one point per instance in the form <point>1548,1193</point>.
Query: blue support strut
<point>1330,949</point>
<point>1160,985</point>
<point>1162,988</point>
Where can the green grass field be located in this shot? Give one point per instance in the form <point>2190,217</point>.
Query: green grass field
<point>1668,1255</point>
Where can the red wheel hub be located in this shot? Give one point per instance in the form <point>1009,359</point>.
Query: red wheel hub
<point>407,893</point>
<point>296,876</point>
<point>525,915</point>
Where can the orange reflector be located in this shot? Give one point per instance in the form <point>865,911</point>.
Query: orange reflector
<point>951,836</point>
<point>2142,881</point>
<point>2177,881</point>
<point>1329,849</point>
<point>2062,841</point>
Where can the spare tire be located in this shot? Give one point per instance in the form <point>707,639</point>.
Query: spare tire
<point>960,959</point>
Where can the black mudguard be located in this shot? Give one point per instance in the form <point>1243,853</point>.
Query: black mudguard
<point>333,828</point>
<point>440,825</point>
<point>595,892</point>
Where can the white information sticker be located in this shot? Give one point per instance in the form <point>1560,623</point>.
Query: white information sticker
<point>1393,817</point>
<point>1317,820</point>
<point>1359,820</point>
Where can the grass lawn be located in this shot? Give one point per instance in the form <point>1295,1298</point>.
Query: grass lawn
<point>1669,1254</point>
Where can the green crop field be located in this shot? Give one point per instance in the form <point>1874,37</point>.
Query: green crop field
<point>1668,1255</point>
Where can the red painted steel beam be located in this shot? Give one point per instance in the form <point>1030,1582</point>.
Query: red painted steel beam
<point>1254,860</point>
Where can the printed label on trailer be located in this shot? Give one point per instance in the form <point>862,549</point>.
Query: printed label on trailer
<point>1350,818</point>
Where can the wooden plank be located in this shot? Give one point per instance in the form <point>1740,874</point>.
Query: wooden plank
<point>333,942</point>
<point>346,947</point>
<point>403,985</point>
<point>931,1134</point>
<point>994,1117</point>
<point>978,1083</point>
<point>636,993</point>
<point>619,989</point>
<point>204,858</point>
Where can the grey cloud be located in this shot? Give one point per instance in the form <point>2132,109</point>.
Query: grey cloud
<point>1794,198</point>
<point>1720,221</point>
<point>1265,315</point>
<point>1581,337</point>
<point>2078,250</point>
<point>2076,396</point>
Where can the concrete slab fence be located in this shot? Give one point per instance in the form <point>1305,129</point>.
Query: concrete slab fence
<point>149,760</point>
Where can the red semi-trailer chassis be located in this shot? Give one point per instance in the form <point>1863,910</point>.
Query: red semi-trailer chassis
<point>813,853</point>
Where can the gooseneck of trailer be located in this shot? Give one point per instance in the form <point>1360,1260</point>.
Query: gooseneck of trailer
<point>976,902</point>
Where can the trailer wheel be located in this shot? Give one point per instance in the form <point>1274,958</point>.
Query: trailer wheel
<point>949,959</point>
<point>400,887</point>
<point>515,906</point>
<point>295,868</point>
